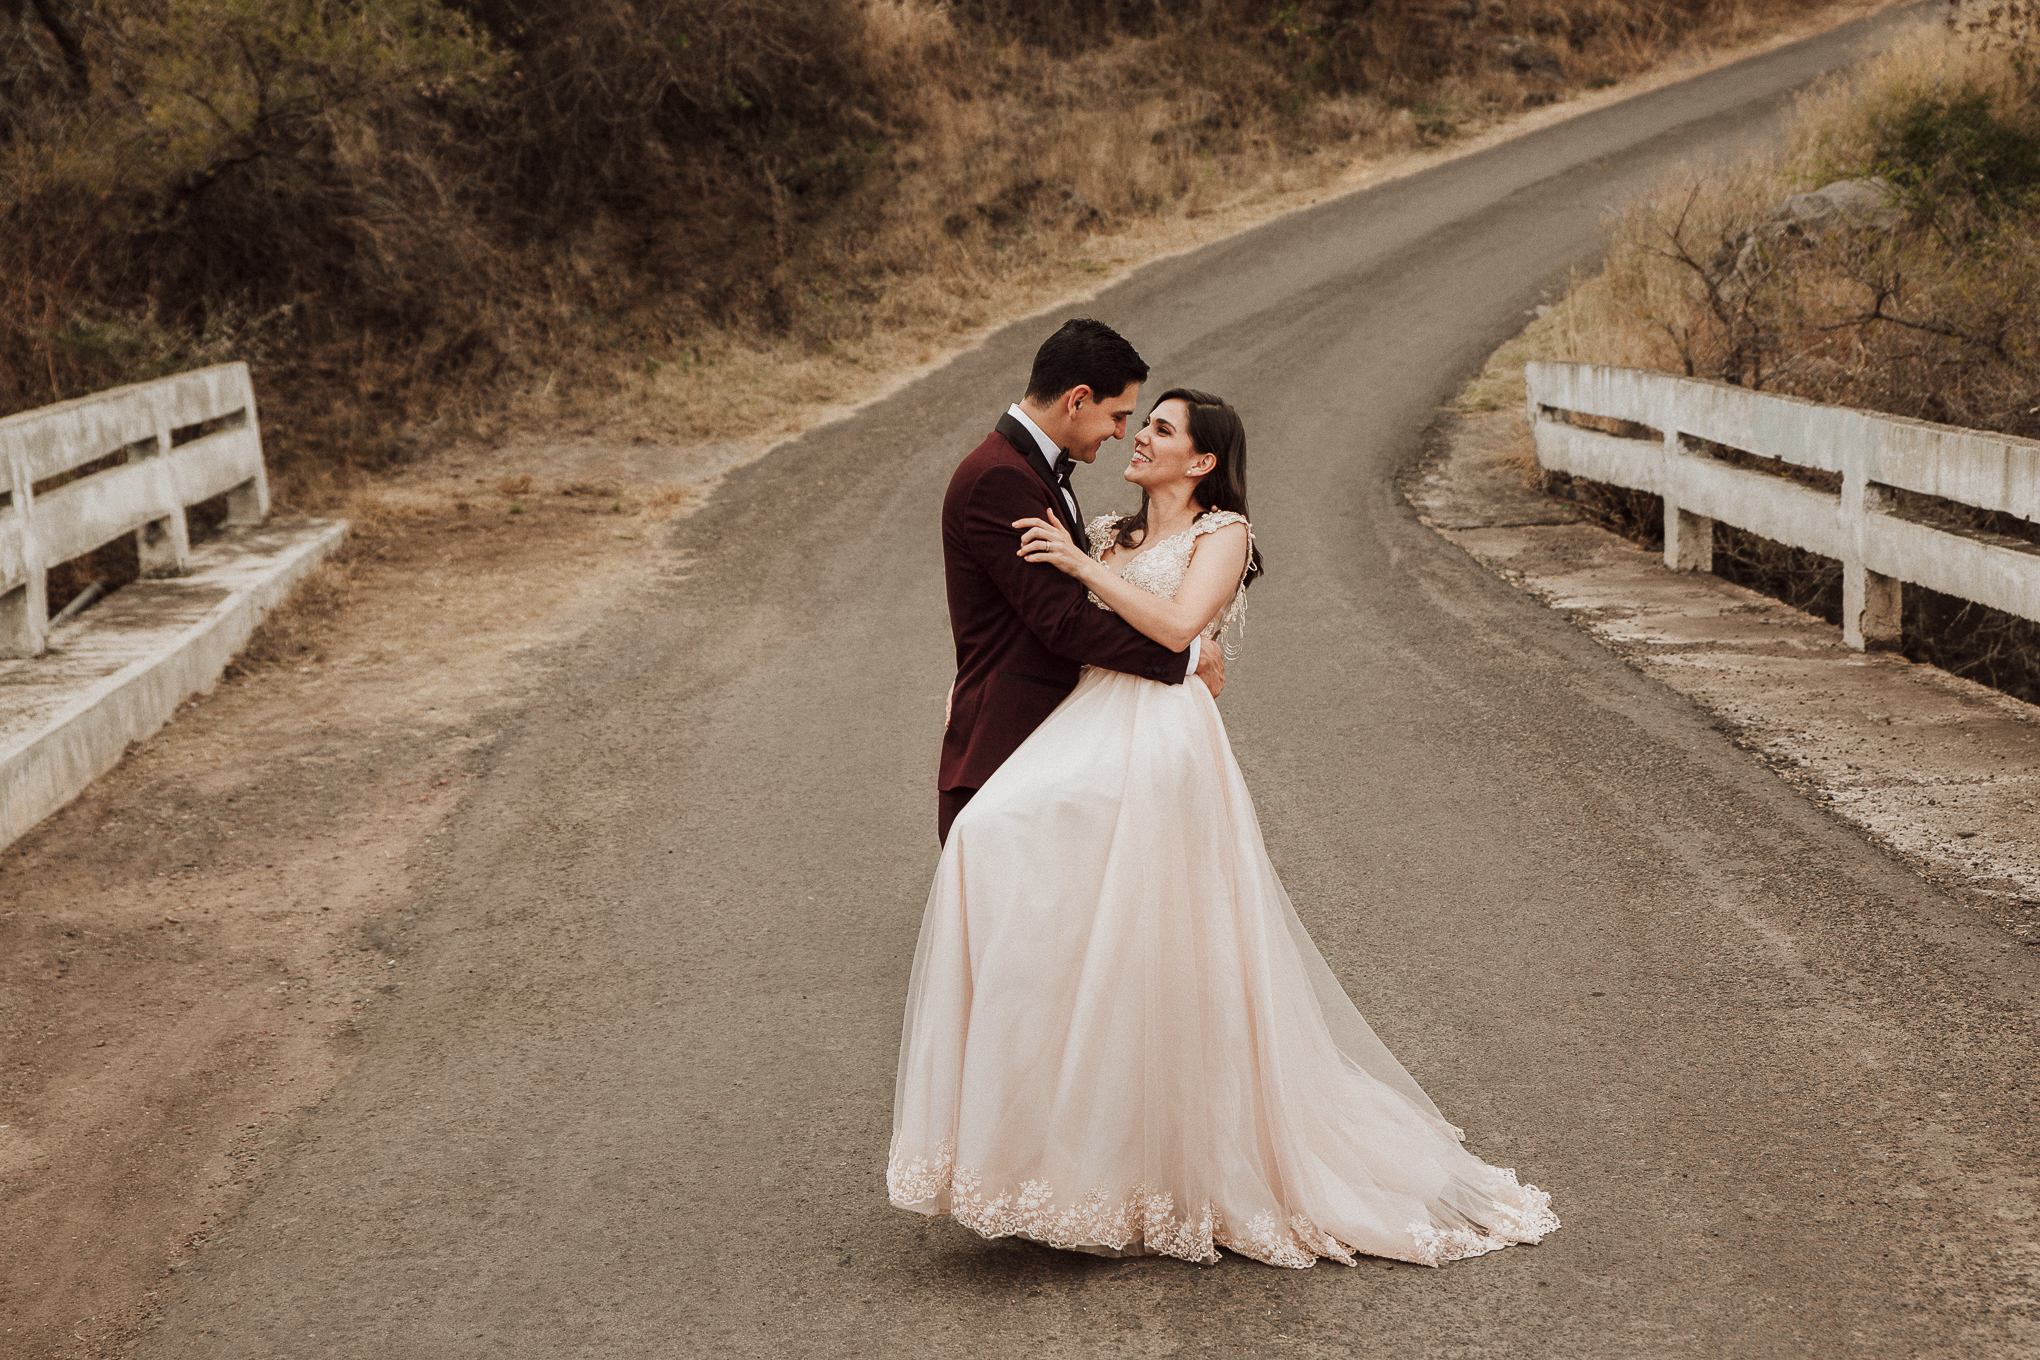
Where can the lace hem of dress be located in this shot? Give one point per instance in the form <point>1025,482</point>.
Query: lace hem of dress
<point>1528,1223</point>
<point>1143,1220</point>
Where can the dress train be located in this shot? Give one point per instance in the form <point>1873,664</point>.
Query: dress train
<point>1119,1037</point>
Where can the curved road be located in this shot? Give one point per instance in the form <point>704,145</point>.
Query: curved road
<point>634,1099</point>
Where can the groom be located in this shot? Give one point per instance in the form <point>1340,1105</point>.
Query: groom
<point>1024,628</point>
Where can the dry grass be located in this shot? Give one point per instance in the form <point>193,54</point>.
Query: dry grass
<point>293,633</point>
<point>548,215</point>
<point>1936,316</point>
<point>1930,309</point>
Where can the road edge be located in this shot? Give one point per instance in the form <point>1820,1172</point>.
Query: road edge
<point>1938,771</point>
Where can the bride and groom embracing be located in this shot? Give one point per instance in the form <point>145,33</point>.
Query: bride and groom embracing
<point>1119,1037</point>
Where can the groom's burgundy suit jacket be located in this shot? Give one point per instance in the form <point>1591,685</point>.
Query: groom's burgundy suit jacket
<point>1023,629</point>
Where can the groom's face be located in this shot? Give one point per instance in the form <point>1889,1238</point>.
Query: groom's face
<point>1096,419</point>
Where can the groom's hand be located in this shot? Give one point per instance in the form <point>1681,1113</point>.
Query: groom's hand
<point>1211,666</point>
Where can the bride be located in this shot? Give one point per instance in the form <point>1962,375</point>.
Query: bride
<point>1119,1037</point>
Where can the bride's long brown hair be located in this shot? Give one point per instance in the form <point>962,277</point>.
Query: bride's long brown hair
<point>1216,429</point>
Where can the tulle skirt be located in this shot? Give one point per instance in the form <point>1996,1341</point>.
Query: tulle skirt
<point>1119,1037</point>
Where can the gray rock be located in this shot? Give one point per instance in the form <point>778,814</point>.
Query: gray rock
<point>1865,204</point>
<point>1847,204</point>
<point>1532,59</point>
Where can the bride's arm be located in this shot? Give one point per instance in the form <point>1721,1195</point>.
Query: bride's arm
<point>1217,562</point>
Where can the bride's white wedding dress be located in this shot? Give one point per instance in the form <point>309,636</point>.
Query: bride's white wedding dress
<point>1119,1037</point>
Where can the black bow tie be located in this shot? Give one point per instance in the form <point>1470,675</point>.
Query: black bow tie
<point>1063,468</point>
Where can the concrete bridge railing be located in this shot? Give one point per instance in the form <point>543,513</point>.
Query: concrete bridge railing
<point>1880,538</point>
<point>171,444</point>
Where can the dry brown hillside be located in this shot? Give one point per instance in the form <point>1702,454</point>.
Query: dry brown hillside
<point>420,216</point>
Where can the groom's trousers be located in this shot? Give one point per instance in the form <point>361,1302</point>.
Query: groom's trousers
<point>949,802</point>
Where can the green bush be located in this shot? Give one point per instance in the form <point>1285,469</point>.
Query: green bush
<point>1959,148</point>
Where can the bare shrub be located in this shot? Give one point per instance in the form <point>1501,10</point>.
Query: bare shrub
<point>1637,515</point>
<point>2005,24</point>
<point>1974,641</point>
<point>1805,580</point>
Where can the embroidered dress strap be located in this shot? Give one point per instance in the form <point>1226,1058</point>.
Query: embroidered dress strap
<point>1099,532</point>
<point>1213,520</point>
<point>1233,617</point>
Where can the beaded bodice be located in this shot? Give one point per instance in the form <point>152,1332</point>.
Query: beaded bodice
<point>1160,569</point>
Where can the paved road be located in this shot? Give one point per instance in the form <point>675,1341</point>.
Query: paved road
<point>634,1097</point>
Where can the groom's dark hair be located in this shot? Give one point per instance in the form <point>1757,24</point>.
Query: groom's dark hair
<point>1085,353</point>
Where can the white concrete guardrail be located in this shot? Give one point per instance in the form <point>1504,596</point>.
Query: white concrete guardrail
<point>185,439</point>
<point>1879,543</point>
<point>74,692</point>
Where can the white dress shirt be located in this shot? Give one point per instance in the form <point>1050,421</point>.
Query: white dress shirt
<point>1054,454</point>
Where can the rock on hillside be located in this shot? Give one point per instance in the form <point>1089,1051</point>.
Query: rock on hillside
<point>1847,204</point>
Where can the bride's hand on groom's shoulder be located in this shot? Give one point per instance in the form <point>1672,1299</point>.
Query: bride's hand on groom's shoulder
<point>1043,540</point>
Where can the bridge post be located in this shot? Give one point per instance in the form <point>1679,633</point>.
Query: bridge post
<point>248,503</point>
<point>163,545</point>
<point>1689,538</point>
<point>24,610</point>
<point>1872,610</point>
<point>1873,614</point>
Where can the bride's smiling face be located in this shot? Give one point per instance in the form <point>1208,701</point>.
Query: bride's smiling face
<point>1162,451</point>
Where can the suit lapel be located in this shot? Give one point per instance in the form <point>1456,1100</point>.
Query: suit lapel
<point>1024,444</point>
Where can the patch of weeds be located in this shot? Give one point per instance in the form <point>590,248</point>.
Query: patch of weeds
<point>1805,580</point>
<point>1971,640</point>
<point>1434,120</point>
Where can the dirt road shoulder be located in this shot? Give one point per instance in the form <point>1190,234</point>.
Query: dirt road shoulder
<point>188,951</point>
